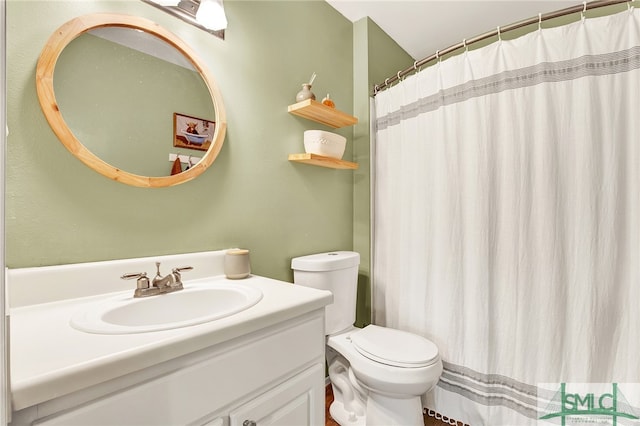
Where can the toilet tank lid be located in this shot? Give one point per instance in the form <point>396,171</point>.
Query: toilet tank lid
<point>330,261</point>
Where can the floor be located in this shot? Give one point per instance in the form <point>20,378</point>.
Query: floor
<point>428,421</point>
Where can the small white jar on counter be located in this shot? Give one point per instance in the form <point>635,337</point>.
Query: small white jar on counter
<point>237,264</point>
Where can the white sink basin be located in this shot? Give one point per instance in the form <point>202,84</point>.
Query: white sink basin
<point>125,314</point>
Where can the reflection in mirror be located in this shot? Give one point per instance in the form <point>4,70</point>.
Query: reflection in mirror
<point>120,81</point>
<point>120,102</point>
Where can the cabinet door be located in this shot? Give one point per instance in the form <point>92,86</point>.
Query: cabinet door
<point>298,401</point>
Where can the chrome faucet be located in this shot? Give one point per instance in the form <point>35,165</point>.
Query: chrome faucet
<point>160,285</point>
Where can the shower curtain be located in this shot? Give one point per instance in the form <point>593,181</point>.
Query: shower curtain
<point>506,223</point>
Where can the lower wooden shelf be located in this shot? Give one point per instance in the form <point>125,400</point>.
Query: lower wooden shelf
<point>319,160</point>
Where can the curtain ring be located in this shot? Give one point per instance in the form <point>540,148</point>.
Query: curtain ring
<point>415,65</point>
<point>438,55</point>
<point>630,6</point>
<point>398,75</point>
<point>386,81</point>
<point>584,10</point>
<point>464,44</point>
<point>539,21</point>
<point>499,35</point>
<point>375,89</point>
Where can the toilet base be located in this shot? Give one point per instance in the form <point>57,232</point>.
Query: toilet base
<point>381,411</point>
<point>385,411</point>
<point>344,417</point>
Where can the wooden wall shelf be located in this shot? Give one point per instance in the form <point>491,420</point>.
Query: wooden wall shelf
<point>319,160</point>
<point>316,111</point>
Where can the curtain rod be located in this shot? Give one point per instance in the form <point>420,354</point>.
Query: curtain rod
<point>500,30</point>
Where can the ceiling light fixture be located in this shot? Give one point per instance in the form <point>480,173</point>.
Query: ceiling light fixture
<point>211,14</point>
<point>207,15</point>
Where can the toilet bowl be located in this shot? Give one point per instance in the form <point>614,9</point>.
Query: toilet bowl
<point>392,370</point>
<point>382,368</point>
<point>378,374</point>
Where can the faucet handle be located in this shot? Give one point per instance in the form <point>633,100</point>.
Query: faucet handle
<point>177,273</point>
<point>132,275</point>
<point>143,281</point>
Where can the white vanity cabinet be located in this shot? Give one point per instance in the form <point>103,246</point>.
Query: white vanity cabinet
<point>294,402</point>
<point>273,376</point>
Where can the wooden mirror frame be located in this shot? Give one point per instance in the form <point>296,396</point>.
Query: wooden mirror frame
<point>46,96</point>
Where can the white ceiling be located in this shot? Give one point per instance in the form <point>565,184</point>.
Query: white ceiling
<point>421,27</point>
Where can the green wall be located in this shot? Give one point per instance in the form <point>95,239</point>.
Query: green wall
<point>58,211</point>
<point>375,57</point>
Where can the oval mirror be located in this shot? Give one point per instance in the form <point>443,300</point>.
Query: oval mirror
<point>129,96</point>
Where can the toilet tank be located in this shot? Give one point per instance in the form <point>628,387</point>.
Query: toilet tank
<point>336,271</point>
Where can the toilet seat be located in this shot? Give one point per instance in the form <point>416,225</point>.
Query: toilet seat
<point>394,347</point>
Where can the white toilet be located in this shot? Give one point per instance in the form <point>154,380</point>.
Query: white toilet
<point>378,374</point>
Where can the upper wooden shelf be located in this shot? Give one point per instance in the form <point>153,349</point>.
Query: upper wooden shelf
<point>316,111</point>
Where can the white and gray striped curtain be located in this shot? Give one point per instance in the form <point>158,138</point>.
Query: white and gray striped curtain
<point>506,218</point>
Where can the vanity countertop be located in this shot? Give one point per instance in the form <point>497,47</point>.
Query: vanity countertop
<point>49,358</point>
